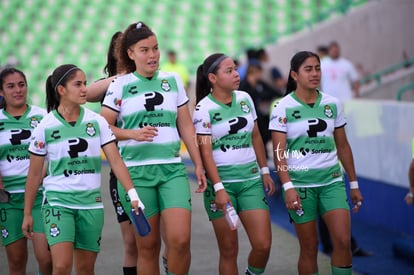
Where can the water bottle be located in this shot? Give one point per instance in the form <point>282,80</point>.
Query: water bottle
<point>140,222</point>
<point>232,217</point>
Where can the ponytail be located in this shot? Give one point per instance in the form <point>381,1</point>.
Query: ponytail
<point>291,84</point>
<point>60,76</point>
<point>203,85</point>
<point>52,97</point>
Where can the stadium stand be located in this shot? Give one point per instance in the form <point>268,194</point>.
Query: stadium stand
<point>44,33</point>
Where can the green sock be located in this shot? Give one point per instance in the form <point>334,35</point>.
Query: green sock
<point>346,270</point>
<point>254,270</point>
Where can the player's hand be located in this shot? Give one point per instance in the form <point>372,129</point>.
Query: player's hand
<point>201,179</point>
<point>222,198</point>
<point>27,226</point>
<point>146,133</point>
<point>268,184</point>
<point>357,199</point>
<point>292,199</point>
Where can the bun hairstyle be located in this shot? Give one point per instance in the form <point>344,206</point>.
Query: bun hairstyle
<point>133,34</point>
<point>210,65</point>
<point>60,76</point>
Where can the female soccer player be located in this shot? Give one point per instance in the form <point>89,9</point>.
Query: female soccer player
<point>230,143</point>
<point>70,139</point>
<point>308,133</point>
<point>150,109</point>
<point>18,120</point>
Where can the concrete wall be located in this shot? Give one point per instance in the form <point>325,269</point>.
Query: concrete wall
<point>380,134</point>
<point>373,35</point>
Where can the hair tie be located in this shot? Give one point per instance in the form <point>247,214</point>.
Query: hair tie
<point>215,64</point>
<point>139,25</point>
<point>63,76</point>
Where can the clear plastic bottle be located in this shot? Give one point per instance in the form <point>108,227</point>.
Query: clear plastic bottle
<point>140,222</point>
<point>232,217</point>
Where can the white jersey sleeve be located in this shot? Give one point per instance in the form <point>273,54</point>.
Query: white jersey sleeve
<point>201,120</point>
<point>277,120</point>
<point>113,96</point>
<point>38,142</point>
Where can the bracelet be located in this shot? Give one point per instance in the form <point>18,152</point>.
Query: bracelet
<point>264,170</point>
<point>288,185</point>
<point>218,186</point>
<point>410,195</point>
<point>353,184</point>
<point>133,196</point>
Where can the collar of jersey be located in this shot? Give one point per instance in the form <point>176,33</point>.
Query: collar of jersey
<point>318,100</point>
<point>143,78</point>
<point>64,122</point>
<point>9,116</point>
<point>233,100</point>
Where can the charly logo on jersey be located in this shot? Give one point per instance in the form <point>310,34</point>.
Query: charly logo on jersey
<point>34,121</point>
<point>4,232</point>
<point>90,129</point>
<point>244,107</point>
<point>328,111</point>
<point>54,230</point>
<point>296,114</point>
<point>165,86</point>
<point>216,117</point>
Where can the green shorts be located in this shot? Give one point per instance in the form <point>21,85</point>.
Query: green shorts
<point>247,195</point>
<point>11,217</point>
<point>82,227</point>
<point>319,200</point>
<point>159,187</point>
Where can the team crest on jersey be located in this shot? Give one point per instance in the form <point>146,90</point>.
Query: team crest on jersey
<point>34,121</point>
<point>328,111</point>
<point>90,129</point>
<point>244,107</point>
<point>54,230</point>
<point>165,85</point>
<point>4,232</point>
<point>119,209</point>
<point>213,207</point>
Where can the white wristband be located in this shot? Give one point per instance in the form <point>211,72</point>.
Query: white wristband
<point>353,184</point>
<point>218,186</point>
<point>133,196</point>
<point>264,170</point>
<point>410,195</point>
<point>288,185</point>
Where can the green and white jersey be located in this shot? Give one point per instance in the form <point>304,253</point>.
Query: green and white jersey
<point>230,128</point>
<point>73,155</point>
<point>15,134</point>
<point>142,102</point>
<point>311,151</point>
